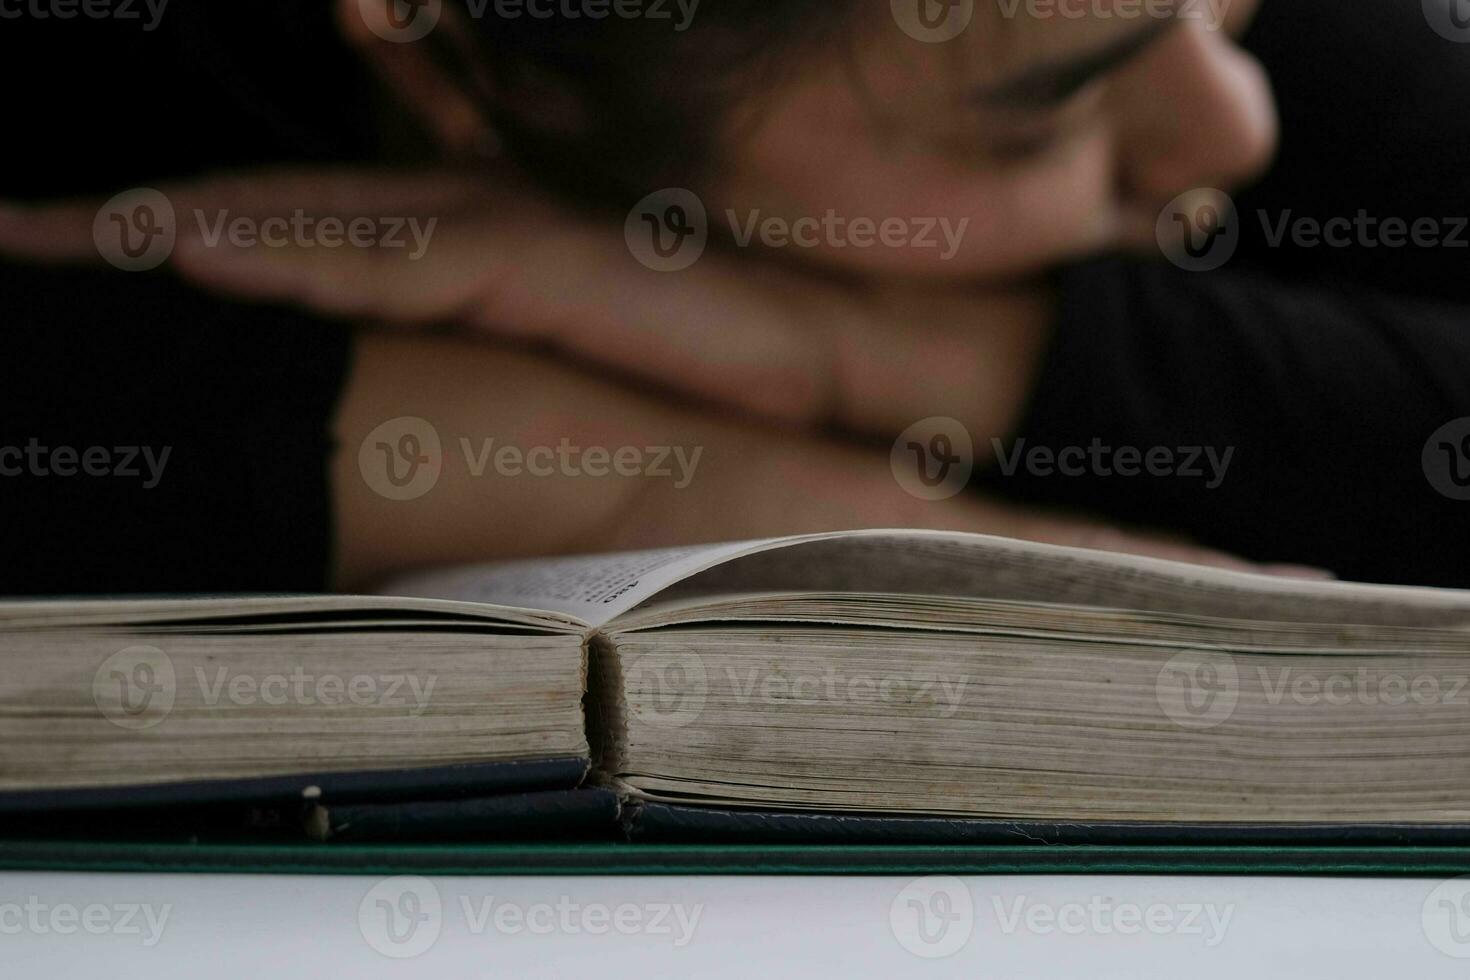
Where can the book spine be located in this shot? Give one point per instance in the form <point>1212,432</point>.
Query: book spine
<point>606,709</point>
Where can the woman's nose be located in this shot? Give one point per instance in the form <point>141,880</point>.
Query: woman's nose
<point>1196,111</point>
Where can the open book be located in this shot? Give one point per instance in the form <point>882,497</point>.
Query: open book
<point>880,673</point>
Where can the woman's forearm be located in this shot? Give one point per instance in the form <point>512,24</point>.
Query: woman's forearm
<point>536,458</point>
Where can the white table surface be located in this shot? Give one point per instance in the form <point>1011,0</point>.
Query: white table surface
<point>56,925</point>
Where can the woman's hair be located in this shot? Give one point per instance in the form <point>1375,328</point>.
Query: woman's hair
<point>600,110</point>
<point>611,109</point>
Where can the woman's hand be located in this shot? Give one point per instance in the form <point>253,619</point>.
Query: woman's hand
<point>501,260</point>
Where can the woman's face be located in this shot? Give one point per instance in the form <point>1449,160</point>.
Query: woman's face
<point>1027,139</point>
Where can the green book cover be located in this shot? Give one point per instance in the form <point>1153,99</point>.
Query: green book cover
<point>617,858</point>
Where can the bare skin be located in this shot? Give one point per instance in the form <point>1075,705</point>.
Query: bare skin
<point>751,481</point>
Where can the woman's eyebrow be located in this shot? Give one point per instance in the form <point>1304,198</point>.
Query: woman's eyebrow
<point>1051,84</point>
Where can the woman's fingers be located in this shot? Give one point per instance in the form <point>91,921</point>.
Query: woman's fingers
<point>731,329</point>
<point>414,277</point>
<point>443,247</point>
<point>728,330</point>
<point>50,233</point>
<point>227,209</point>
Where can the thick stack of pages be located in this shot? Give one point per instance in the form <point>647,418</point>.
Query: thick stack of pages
<point>881,674</point>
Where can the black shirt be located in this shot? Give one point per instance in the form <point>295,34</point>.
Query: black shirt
<point>213,416</point>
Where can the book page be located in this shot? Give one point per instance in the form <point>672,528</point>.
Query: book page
<point>932,563</point>
<point>246,612</point>
<point>596,589</point>
<point>588,590</point>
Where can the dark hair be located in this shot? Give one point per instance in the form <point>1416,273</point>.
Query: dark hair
<point>612,109</point>
<point>600,110</point>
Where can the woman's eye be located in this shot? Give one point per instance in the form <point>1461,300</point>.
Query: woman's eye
<point>1010,149</point>
<point>1014,138</point>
